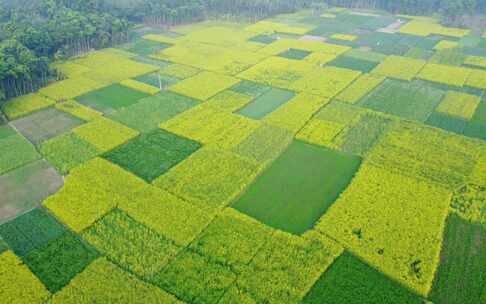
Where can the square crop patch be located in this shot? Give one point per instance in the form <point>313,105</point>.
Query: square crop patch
<point>130,244</point>
<point>250,88</point>
<point>352,63</point>
<point>266,103</point>
<point>30,231</point>
<point>265,39</point>
<point>105,134</point>
<point>24,188</point>
<point>298,187</point>
<point>204,85</point>
<point>16,151</point>
<point>195,279</point>
<point>351,281</point>
<point>147,47</point>
<point>60,261</point>
<point>410,100</point>
<point>46,124</point>
<point>295,54</point>
<point>147,114</point>
<point>67,151</point>
<point>111,98</point>
<point>152,154</point>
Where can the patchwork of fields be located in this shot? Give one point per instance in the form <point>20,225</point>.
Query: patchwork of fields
<point>300,159</point>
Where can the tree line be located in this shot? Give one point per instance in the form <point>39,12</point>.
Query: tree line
<point>33,33</point>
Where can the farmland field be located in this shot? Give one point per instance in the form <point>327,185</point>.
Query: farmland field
<point>302,158</point>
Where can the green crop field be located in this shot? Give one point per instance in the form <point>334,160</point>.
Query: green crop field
<point>299,187</point>
<point>306,158</point>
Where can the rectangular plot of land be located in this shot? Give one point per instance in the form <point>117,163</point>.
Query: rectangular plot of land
<point>411,100</point>
<point>67,151</point>
<point>477,126</point>
<point>459,105</point>
<point>60,260</point>
<point>447,122</point>
<point>295,54</point>
<point>46,124</point>
<point>111,98</point>
<point>157,80</point>
<point>399,67</point>
<point>130,244</point>
<point>298,187</point>
<point>30,231</point>
<point>147,114</point>
<point>463,253</point>
<point>352,63</point>
<point>360,136</point>
<point>147,47</point>
<point>204,85</point>
<point>6,131</point>
<point>351,281</point>
<point>16,151</point>
<point>265,39</point>
<point>151,154</point>
<point>250,88</point>
<point>24,188</point>
<point>266,103</point>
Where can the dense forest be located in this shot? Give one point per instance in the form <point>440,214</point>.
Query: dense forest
<point>33,33</point>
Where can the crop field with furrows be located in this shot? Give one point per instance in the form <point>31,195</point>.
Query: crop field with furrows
<point>303,158</point>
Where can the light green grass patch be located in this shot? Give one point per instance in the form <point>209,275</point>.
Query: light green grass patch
<point>67,151</point>
<point>148,113</point>
<point>16,151</point>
